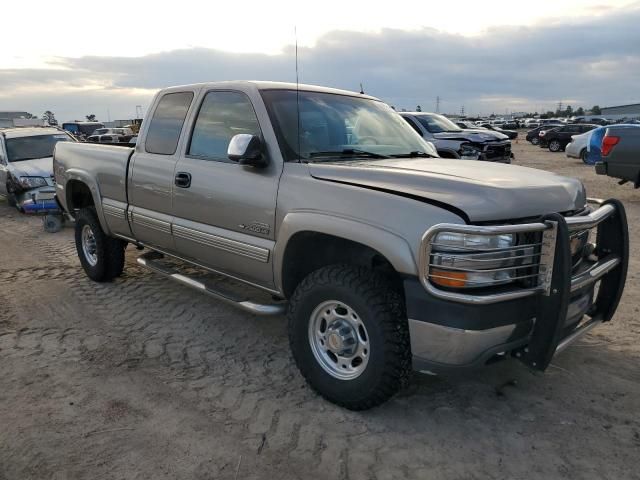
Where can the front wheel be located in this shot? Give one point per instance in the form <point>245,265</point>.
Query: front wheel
<point>101,256</point>
<point>349,336</point>
<point>535,141</point>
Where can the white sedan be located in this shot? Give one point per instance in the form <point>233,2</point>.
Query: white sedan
<point>577,148</point>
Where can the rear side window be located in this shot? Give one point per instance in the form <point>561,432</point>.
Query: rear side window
<point>166,124</point>
<point>222,116</point>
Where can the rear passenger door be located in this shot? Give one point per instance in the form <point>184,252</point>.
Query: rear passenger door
<point>225,215</point>
<point>151,176</point>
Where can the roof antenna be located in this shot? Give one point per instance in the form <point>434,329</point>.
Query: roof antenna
<point>295,32</point>
<point>361,89</point>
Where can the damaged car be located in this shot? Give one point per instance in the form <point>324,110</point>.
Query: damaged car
<point>26,168</point>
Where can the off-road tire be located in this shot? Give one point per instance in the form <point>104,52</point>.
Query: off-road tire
<point>555,146</point>
<point>382,311</point>
<point>109,251</point>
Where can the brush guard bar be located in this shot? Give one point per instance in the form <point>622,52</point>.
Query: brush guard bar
<point>556,283</point>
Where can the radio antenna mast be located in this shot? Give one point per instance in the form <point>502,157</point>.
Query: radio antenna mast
<point>295,32</point>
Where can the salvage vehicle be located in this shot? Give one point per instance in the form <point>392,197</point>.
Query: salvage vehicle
<point>620,154</point>
<point>111,135</point>
<point>383,257</point>
<point>26,168</point>
<point>451,141</point>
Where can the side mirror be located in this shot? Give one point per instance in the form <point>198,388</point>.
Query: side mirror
<point>247,150</point>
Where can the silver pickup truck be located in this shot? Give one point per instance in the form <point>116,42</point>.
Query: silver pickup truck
<point>383,256</point>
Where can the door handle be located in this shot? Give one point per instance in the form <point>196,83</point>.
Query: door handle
<point>183,180</point>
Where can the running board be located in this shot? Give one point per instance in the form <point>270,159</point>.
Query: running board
<point>148,260</point>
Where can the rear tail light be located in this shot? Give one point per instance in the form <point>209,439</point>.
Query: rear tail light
<point>608,142</point>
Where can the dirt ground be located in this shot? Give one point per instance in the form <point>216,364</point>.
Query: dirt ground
<point>143,379</point>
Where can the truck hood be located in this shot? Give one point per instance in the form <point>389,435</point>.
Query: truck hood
<point>39,167</point>
<point>484,191</point>
<point>476,136</point>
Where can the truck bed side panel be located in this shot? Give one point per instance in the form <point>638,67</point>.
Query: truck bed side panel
<point>103,169</point>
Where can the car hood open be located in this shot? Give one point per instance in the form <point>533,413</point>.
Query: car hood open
<point>483,191</point>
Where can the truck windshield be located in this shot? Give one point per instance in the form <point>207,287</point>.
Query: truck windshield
<point>29,148</point>
<point>337,127</point>
<point>437,123</point>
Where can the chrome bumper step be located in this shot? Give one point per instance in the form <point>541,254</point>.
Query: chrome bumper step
<point>150,261</point>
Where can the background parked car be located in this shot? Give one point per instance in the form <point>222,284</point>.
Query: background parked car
<point>557,138</point>
<point>451,141</point>
<point>81,130</point>
<point>533,135</point>
<point>511,134</point>
<point>577,147</point>
<point>510,125</point>
<point>117,135</point>
<point>620,150</point>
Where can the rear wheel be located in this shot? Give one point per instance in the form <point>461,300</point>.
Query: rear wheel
<point>349,336</point>
<point>555,146</point>
<point>583,156</point>
<point>101,256</point>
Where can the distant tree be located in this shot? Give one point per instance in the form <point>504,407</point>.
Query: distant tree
<point>29,116</point>
<point>579,111</point>
<point>418,108</point>
<point>49,117</point>
<point>91,117</point>
<point>595,110</point>
<point>568,111</point>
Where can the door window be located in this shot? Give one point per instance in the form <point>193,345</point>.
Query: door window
<point>166,124</point>
<point>222,115</point>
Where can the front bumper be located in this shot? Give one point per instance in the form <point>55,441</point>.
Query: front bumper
<point>38,201</point>
<point>454,331</point>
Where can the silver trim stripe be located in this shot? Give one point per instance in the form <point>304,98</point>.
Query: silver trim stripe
<point>152,223</point>
<point>232,246</point>
<point>113,211</point>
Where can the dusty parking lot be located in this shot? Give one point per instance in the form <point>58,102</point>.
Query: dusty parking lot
<point>145,379</point>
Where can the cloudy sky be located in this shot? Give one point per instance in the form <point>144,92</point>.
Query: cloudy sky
<point>488,55</point>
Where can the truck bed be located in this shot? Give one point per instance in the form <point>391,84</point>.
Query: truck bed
<point>105,163</point>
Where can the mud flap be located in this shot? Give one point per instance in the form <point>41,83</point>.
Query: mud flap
<point>553,306</point>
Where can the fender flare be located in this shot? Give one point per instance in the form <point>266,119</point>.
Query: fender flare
<point>393,247</point>
<point>84,177</point>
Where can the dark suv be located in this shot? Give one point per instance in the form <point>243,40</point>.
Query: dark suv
<point>558,138</point>
<point>532,135</point>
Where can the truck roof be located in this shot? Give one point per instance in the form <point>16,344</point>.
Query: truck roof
<point>264,85</point>
<point>29,131</point>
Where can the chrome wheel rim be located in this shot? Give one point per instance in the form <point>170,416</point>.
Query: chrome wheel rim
<point>339,340</point>
<point>89,248</point>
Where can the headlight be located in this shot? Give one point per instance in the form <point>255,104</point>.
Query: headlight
<point>451,242</point>
<point>469,152</point>
<point>460,260</point>
<point>32,182</point>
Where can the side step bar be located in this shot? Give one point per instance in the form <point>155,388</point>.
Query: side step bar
<point>148,260</point>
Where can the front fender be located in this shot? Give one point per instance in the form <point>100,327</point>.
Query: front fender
<point>393,247</point>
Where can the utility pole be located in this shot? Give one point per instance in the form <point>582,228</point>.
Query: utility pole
<point>560,106</point>
<point>438,100</point>
<point>462,111</point>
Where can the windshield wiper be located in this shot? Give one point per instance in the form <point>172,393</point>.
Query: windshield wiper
<point>352,152</point>
<point>415,153</point>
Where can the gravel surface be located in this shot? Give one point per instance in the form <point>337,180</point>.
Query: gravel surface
<point>142,378</point>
